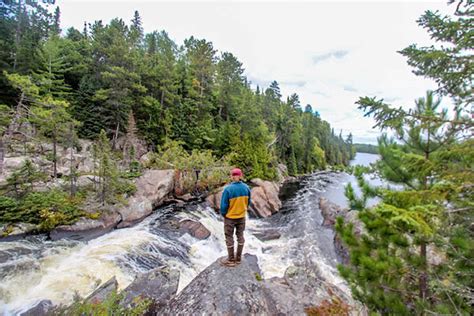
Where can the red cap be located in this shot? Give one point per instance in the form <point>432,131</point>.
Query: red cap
<point>236,172</point>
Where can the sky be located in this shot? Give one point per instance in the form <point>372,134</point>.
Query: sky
<point>329,53</point>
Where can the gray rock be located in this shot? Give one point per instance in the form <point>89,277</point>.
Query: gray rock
<point>43,308</point>
<point>239,290</point>
<point>86,228</point>
<point>152,188</point>
<point>220,290</point>
<point>195,229</point>
<point>160,285</point>
<point>267,234</point>
<point>103,291</point>
<point>16,231</point>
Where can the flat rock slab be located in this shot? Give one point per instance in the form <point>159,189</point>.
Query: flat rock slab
<point>86,228</point>
<point>220,290</point>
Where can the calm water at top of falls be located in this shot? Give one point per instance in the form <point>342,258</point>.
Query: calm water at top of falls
<point>35,268</point>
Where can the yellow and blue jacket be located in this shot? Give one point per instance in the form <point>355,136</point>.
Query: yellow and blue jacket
<point>235,200</point>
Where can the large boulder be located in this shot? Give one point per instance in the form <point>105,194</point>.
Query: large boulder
<point>194,228</point>
<point>260,206</point>
<point>240,290</point>
<point>10,232</point>
<point>220,290</point>
<point>152,189</point>
<point>86,228</point>
<point>159,284</point>
<point>43,308</point>
<point>265,200</point>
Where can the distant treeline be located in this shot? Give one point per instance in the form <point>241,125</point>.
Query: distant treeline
<point>366,148</point>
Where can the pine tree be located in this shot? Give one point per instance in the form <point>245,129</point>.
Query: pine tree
<point>107,171</point>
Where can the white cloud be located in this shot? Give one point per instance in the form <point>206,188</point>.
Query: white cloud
<point>330,53</point>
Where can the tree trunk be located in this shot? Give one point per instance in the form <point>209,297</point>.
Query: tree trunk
<point>2,154</point>
<point>72,168</point>
<point>114,140</point>
<point>423,275</point>
<point>55,170</point>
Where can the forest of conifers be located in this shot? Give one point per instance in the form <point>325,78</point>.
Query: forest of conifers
<point>104,74</point>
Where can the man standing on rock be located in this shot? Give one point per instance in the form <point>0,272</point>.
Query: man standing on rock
<point>234,204</point>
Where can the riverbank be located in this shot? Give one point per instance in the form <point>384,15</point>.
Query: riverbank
<point>126,253</point>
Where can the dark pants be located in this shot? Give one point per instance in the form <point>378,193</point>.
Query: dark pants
<point>231,224</point>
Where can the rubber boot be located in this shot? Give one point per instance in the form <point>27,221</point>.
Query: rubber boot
<point>230,260</point>
<point>238,257</point>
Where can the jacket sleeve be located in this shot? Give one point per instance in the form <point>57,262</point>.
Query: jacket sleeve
<point>225,202</point>
<point>250,194</point>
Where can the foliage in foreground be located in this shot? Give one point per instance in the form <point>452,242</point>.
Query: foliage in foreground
<point>110,306</point>
<point>415,256</point>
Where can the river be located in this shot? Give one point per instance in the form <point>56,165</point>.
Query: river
<point>35,268</point>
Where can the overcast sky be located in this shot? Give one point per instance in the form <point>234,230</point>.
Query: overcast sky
<point>329,53</point>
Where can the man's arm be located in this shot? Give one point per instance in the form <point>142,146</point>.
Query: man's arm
<point>224,202</point>
<point>250,193</point>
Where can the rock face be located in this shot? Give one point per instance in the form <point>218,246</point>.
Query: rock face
<point>87,229</point>
<point>152,188</point>
<point>43,308</point>
<point>159,284</point>
<point>265,200</point>
<point>266,234</point>
<point>195,229</point>
<point>220,290</point>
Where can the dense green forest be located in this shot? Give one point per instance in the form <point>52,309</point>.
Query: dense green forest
<point>414,254</point>
<point>131,93</point>
<point>366,148</point>
<point>188,93</point>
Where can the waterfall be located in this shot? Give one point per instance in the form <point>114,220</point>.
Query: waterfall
<point>35,268</point>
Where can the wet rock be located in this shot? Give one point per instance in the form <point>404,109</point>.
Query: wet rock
<point>160,285</point>
<point>240,290</point>
<point>267,234</point>
<point>16,231</point>
<point>102,292</point>
<point>186,197</point>
<point>43,308</point>
<point>152,189</point>
<point>86,228</point>
<point>330,212</point>
<point>195,229</point>
<point>220,290</point>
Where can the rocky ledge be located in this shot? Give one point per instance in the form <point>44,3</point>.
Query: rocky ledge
<point>240,290</point>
